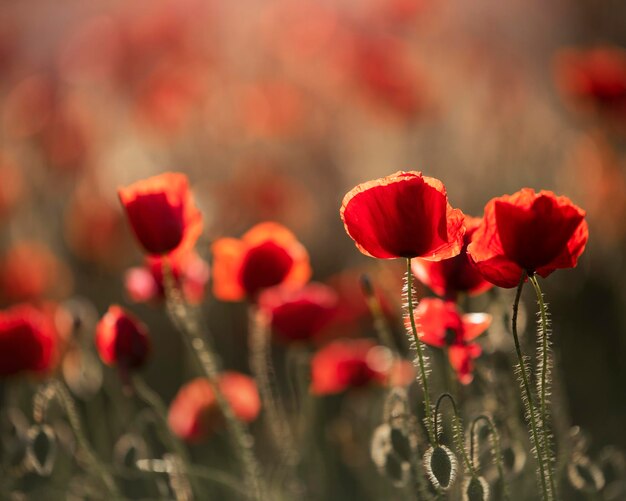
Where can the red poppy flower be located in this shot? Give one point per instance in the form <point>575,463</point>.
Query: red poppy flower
<point>594,78</point>
<point>122,340</point>
<point>194,414</point>
<point>352,363</point>
<point>534,232</point>
<point>162,213</point>
<point>448,277</point>
<point>403,215</point>
<point>27,341</point>
<point>461,359</point>
<point>267,255</point>
<point>442,325</point>
<point>298,314</point>
<point>189,270</point>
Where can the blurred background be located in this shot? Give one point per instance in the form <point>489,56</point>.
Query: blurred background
<point>275,109</point>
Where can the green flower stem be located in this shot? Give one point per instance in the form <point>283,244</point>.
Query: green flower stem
<point>420,356</point>
<point>529,397</point>
<point>188,324</point>
<point>154,402</point>
<point>56,389</point>
<point>458,429</point>
<point>495,450</point>
<point>544,368</point>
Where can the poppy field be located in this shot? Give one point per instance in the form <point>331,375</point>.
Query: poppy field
<point>312,250</point>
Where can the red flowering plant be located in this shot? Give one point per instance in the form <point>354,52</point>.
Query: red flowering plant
<point>162,213</point>
<point>27,341</point>
<point>194,414</point>
<point>405,215</point>
<point>457,275</point>
<point>122,340</point>
<point>267,255</point>
<point>523,236</point>
<point>443,326</point>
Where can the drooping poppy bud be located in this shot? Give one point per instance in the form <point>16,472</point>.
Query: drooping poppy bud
<point>122,340</point>
<point>162,213</point>
<point>298,314</point>
<point>194,414</point>
<point>449,277</point>
<point>528,231</point>
<point>267,255</point>
<point>404,215</point>
<point>27,341</point>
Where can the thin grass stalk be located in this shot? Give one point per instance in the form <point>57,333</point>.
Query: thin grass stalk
<point>276,416</point>
<point>189,325</point>
<point>154,402</point>
<point>56,389</point>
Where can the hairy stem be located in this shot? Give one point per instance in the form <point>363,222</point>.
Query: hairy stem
<point>189,325</point>
<point>532,418</point>
<point>458,429</point>
<point>544,379</point>
<point>495,450</point>
<point>420,356</point>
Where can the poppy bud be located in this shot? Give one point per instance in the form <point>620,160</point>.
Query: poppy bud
<point>121,339</point>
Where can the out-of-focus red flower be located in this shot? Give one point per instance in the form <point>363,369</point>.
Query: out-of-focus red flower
<point>442,326</point>
<point>267,255</point>
<point>271,108</point>
<point>11,187</point>
<point>351,363</point>
<point>189,271</point>
<point>461,359</point>
<point>27,341</point>
<point>29,106</point>
<point>94,228</point>
<point>528,231</point>
<point>383,68</point>
<point>122,340</point>
<point>448,277</point>
<point>298,314</point>
<point>162,213</point>
<point>194,414</point>
<point>594,78</point>
<point>403,215</point>
<point>30,271</point>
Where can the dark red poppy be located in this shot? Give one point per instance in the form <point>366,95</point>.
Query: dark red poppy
<point>594,78</point>
<point>194,414</point>
<point>403,215</point>
<point>458,274</point>
<point>442,326</point>
<point>122,340</point>
<point>189,271</point>
<point>298,314</point>
<point>162,213</point>
<point>27,340</point>
<point>267,255</point>
<point>528,231</point>
<point>352,363</point>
